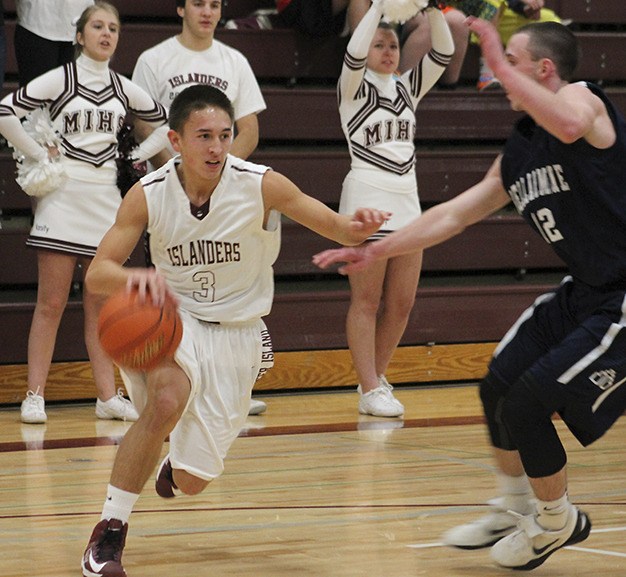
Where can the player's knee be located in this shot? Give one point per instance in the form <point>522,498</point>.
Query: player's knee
<point>162,411</point>
<point>530,426</point>
<point>366,306</point>
<point>522,410</point>
<point>492,395</point>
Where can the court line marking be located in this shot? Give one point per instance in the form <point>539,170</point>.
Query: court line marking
<point>608,530</point>
<point>424,545</point>
<point>573,547</point>
<point>596,551</point>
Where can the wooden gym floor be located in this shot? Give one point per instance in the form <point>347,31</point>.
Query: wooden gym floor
<point>311,488</point>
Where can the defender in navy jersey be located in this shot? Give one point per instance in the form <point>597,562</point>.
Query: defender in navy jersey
<point>563,168</point>
<point>214,224</point>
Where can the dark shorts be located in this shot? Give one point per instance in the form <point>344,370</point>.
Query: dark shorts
<point>313,17</point>
<point>36,55</point>
<point>570,346</point>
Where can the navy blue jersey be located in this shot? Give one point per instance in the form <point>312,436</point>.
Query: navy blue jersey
<point>573,195</point>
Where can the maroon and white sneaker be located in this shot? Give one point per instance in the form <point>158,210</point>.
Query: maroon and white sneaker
<point>103,556</point>
<point>164,482</point>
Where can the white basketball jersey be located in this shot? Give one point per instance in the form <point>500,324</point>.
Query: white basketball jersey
<point>218,262</point>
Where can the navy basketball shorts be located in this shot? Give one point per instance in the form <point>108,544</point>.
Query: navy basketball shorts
<point>570,347</point>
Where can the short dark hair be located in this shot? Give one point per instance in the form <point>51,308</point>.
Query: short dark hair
<point>554,41</point>
<point>197,97</point>
<point>181,3</point>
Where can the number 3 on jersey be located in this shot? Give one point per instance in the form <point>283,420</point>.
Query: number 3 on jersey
<point>544,221</point>
<point>205,281</point>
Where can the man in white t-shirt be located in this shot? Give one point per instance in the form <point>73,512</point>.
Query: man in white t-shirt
<point>195,57</point>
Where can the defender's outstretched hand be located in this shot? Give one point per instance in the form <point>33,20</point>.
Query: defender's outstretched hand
<point>490,42</point>
<point>357,258</point>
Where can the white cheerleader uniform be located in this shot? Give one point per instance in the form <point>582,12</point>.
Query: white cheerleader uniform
<point>378,119</point>
<point>218,260</point>
<point>87,103</point>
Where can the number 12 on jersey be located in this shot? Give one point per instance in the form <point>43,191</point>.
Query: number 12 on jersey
<point>544,221</point>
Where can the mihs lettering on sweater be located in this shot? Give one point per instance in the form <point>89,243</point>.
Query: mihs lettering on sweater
<point>399,130</point>
<point>92,120</point>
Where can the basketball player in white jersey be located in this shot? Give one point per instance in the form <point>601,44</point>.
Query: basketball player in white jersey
<point>214,224</point>
<point>195,57</point>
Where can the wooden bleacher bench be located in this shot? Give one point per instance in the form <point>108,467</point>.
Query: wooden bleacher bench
<point>443,171</point>
<point>303,114</point>
<point>286,56</point>
<point>464,309</point>
<point>500,242</point>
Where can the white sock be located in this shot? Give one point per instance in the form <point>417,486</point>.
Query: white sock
<point>516,493</point>
<point>553,515</point>
<point>118,504</point>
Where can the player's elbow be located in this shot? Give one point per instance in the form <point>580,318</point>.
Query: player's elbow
<point>94,279</point>
<point>572,131</point>
<point>91,280</point>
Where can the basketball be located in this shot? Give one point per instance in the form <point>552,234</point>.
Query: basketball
<point>138,335</point>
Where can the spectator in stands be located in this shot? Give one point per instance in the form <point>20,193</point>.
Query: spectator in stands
<point>200,398</point>
<point>44,35</point>
<point>195,57</point>
<point>85,102</point>
<point>563,168</point>
<point>507,16</point>
<point>415,37</point>
<point>377,110</point>
<point>340,17</point>
<point>317,19</point>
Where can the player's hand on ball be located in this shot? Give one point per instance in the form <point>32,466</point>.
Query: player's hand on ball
<point>150,284</point>
<point>136,333</point>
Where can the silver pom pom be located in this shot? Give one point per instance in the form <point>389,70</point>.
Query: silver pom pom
<point>39,178</point>
<point>34,177</point>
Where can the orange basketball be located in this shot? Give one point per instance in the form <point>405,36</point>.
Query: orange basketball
<point>138,335</point>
